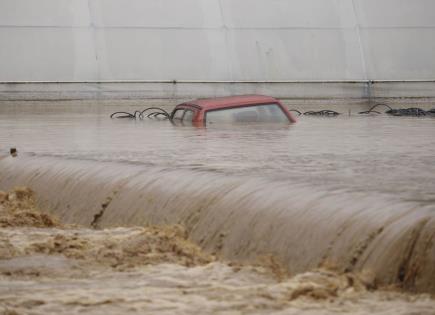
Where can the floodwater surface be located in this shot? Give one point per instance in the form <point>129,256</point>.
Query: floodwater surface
<point>345,205</point>
<point>379,154</point>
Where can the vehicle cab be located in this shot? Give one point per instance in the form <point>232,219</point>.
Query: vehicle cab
<point>232,110</point>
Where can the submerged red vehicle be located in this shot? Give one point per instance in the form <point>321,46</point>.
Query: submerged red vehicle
<point>233,109</point>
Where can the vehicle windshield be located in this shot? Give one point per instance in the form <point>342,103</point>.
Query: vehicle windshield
<point>260,113</point>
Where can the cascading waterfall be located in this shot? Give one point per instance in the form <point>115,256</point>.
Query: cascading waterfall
<point>242,217</point>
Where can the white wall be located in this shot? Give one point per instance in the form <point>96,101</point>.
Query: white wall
<point>79,40</point>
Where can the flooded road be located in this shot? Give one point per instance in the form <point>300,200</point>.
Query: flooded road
<point>353,193</point>
<point>378,154</point>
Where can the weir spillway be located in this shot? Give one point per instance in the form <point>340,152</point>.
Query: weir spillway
<point>242,218</point>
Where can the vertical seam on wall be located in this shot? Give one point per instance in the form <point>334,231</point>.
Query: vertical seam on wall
<point>227,48</point>
<point>94,39</point>
<point>361,47</point>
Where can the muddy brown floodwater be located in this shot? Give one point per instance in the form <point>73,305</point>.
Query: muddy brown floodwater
<point>47,267</point>
<point>330,215</point>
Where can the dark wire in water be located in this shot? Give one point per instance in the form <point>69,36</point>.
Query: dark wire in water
<point>157,113</point>
<point>125,114</point>
<point>412,111</point>
<point>295,110</point>
<point>160,111</point>
<point>325,112</point>
<point>371,110</point>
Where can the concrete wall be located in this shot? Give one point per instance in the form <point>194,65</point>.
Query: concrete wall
<point>217,40</point>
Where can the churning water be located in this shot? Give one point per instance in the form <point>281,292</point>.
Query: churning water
<point>355,192</point>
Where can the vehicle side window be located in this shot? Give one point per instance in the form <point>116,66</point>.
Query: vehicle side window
<point>188,116</point>
<point>178,114</point>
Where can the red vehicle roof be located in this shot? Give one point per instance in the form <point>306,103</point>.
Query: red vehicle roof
<point>221,102</point>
